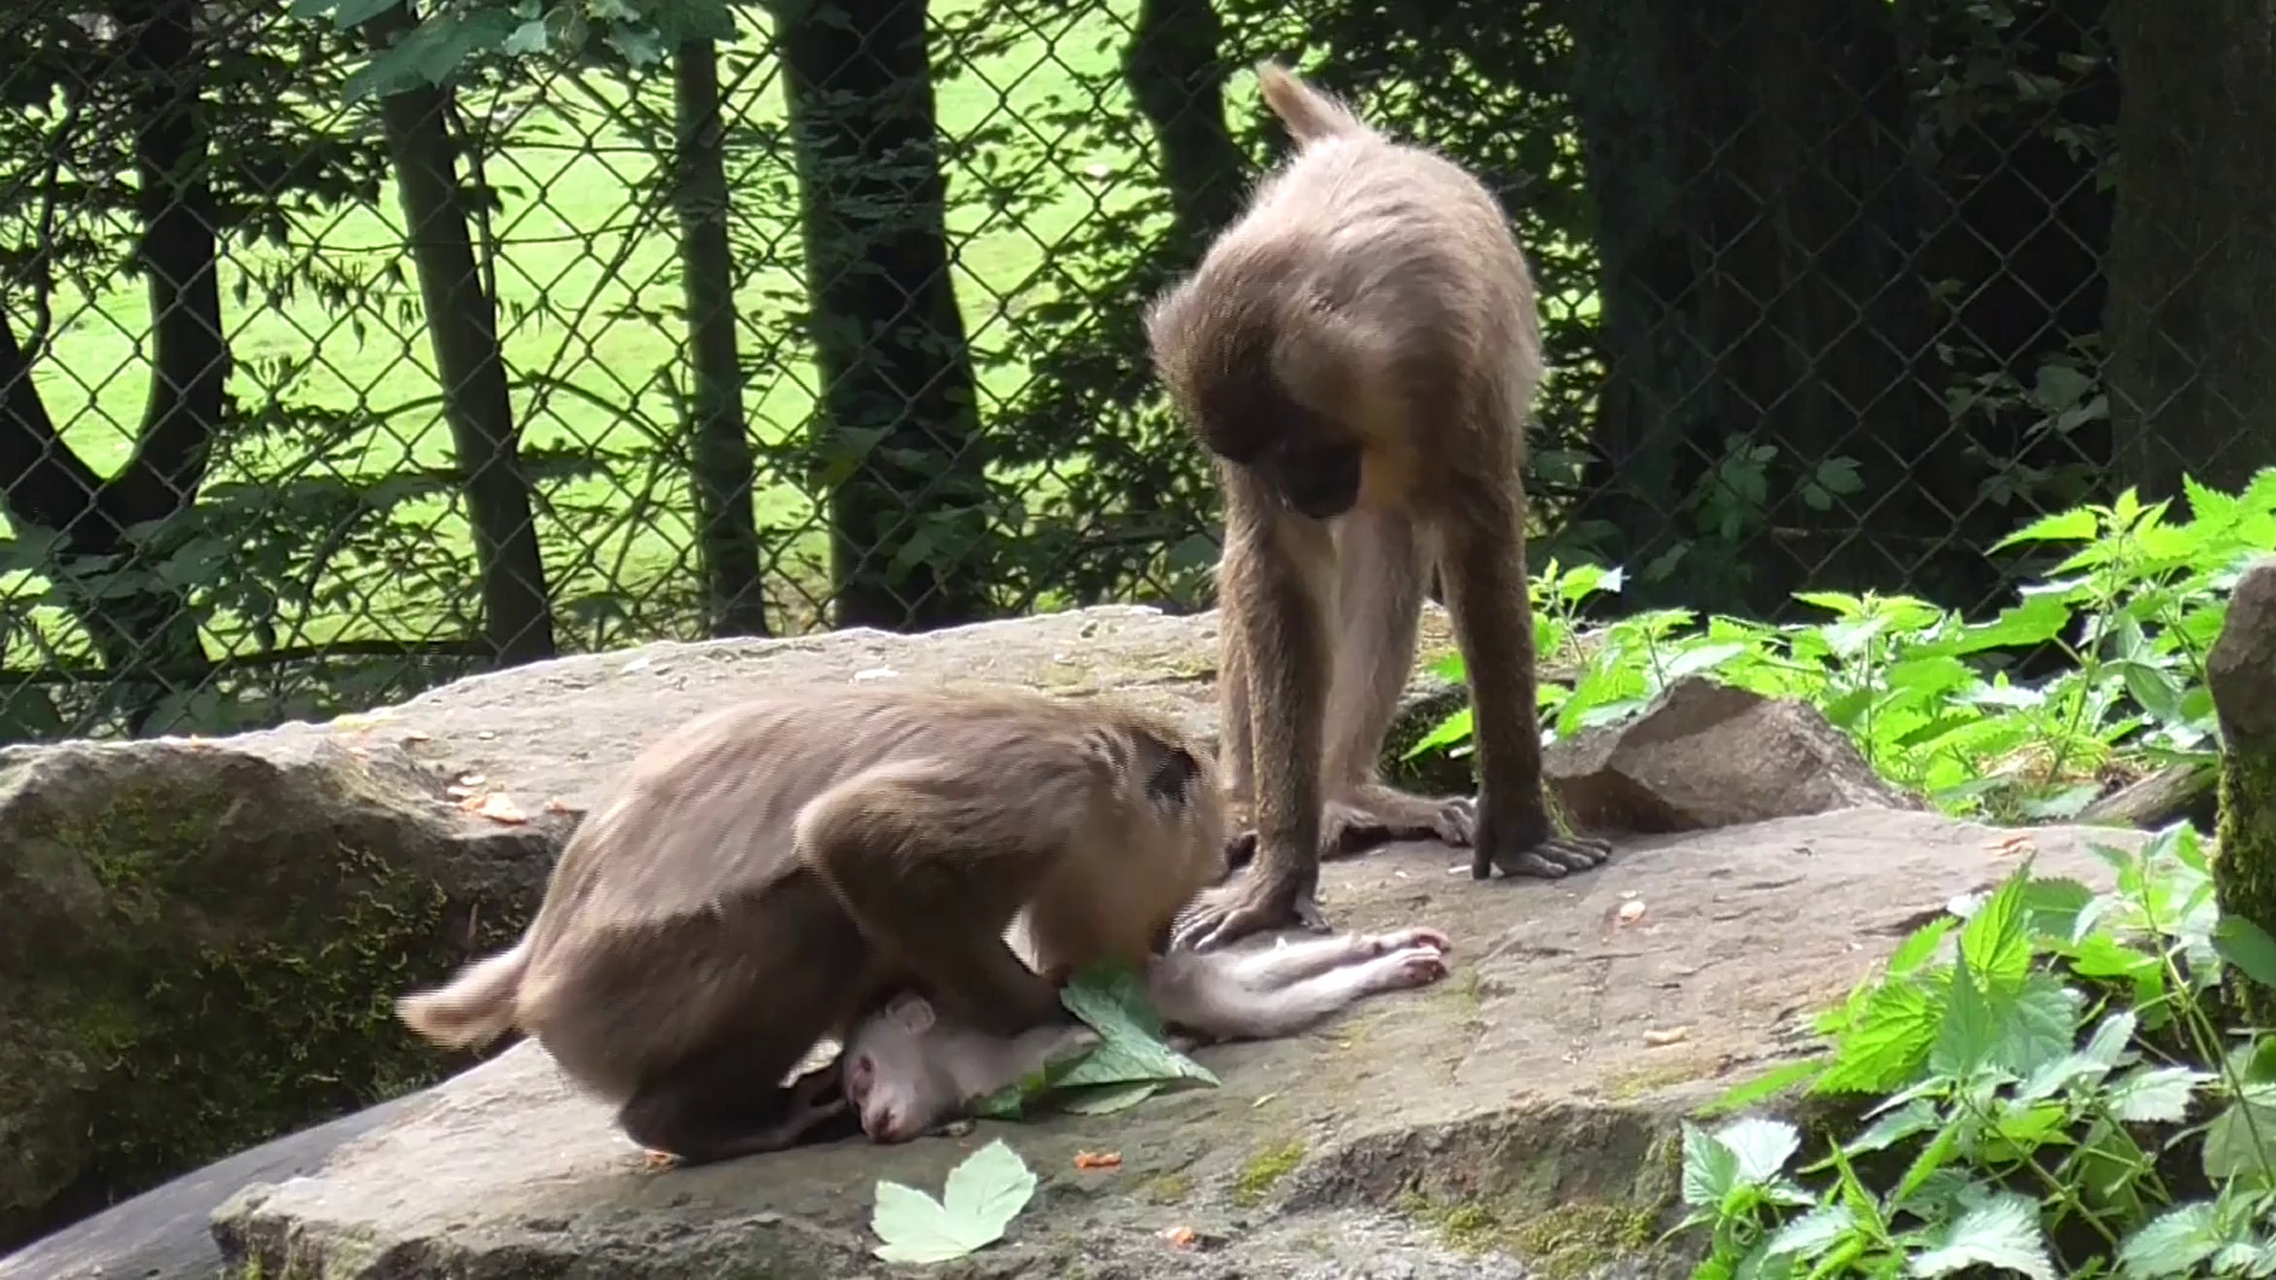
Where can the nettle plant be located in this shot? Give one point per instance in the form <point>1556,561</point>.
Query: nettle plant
<point>2056,1097</point>
<point>1924,693</point>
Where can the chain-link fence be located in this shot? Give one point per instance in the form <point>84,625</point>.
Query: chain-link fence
<point>350,347</point>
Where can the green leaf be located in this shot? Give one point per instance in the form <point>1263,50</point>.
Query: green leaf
<point>2243,943</point>
<point>1776,1080</point>
<point>344,13</point>
<point>2001,1232</point>
<point>1112,999</point>
<point>1919,946</point>
<point>1968,1033</point>
<point>1098,1100</point>
<point>983,1194</point>
<point>2154,1095</point>
<point>2241,1142</point>
<point>1760,1147</point>
<point>1917,1115</point>
<point>1813,1233</point>
<point>1453,729</point>
<point>1710,1169</point>
<point>1995,942</point>
<point>2172,1243</point>
<point>2035,1025</point>
<point>2074,525</point>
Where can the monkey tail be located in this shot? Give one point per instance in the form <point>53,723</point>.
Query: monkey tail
<point>1309,114</point>
<point>475,1007</point>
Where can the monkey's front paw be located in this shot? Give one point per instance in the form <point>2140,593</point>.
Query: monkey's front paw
<point>1253,904</point>
<point>1405,970</point>
<point>1408,940</point>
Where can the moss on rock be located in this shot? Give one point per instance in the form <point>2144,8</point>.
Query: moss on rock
<point>202,945</point>
<point>2240,672</point>
<point>2244,872</point>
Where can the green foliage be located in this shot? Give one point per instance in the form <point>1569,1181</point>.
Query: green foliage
<point>2132,600</point>
<point>628,33</point>
<point>1131,1063</point>
<point>2056,1095</point>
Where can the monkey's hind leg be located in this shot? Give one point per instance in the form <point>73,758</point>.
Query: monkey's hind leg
<point>724,1104</point>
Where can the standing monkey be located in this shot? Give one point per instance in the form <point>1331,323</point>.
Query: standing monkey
<point>771,873</point>
<point>1360,352</point>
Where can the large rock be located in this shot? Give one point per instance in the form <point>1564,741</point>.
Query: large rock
<point>1704,754</point>
<point>1529,1102</point>
<point>199,941</point>
<point>2240,673</point>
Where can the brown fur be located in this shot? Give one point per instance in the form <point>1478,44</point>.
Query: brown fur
<point>768,874</point>
<point>1360,350</point>
<point>908,1071</point>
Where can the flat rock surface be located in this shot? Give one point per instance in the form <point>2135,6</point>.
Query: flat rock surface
<point>557,730</point>
<point>1548,1069</point>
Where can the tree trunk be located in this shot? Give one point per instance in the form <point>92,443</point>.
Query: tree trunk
<point>2193,250</point>
<point>462,328</point>
<point>1178,81</point>
<point>721,467</point>
<point>148,636</point>
<point>1756,231</point>
<point>898,432</point>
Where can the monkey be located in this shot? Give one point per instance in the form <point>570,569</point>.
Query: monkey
<point>771,872</point>
<point>908,1070</point>
<point>1359,353</point>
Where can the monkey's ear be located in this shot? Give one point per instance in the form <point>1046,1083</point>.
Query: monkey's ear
<point>912,1013</point>
<point>1170,779</point>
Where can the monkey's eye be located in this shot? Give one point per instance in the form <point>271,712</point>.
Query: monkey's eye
<point>859,1073</point>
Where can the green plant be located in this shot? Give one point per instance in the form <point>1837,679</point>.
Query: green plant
<point>2057,1095</point>
<point>2131,598</point>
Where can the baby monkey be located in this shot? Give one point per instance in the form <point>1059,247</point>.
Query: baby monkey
<point>909,1070</point>
<point>767,875</point>
<point>1360,352</point>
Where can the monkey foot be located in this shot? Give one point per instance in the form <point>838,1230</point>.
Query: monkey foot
<point>1405,969</point>
<point>1349,827</point>
<point>657,1161</point>
<point>1550,858</point>
<point>1254,904</point>
<point>1388,816</point>
<point>1380,944</point>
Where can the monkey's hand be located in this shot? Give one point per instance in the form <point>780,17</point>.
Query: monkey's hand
<point>1530,846</point>
<point>1258,901</point>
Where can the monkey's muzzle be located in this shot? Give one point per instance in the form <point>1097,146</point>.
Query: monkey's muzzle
<point>1319,484</point>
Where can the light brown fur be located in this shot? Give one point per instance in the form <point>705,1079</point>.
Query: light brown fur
<point>1360,350</point>
<point>768,874</point>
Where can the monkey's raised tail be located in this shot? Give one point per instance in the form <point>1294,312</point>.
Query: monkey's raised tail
<point>476,1006</point>
<point>1309,114</point>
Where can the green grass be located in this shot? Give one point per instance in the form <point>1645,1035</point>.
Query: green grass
<point>587,255</point>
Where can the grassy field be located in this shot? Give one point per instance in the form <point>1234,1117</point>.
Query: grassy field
<point>586,258</point>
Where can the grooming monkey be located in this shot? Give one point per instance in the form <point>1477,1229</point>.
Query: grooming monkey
<point>909,1070</point>
<point>770,873</point>
<point>1360,352</point>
